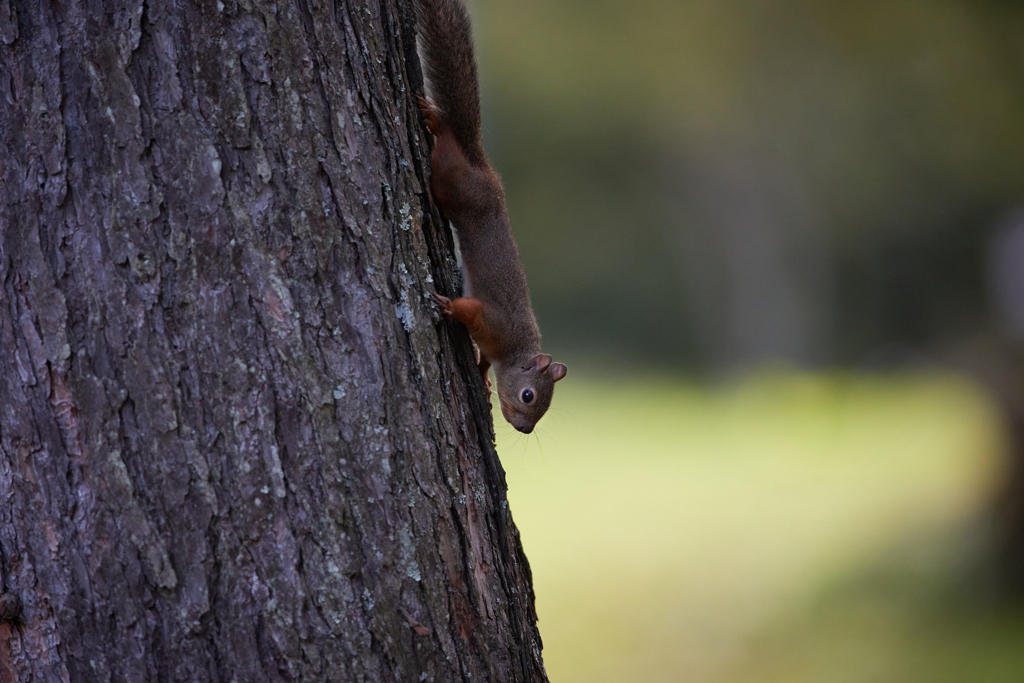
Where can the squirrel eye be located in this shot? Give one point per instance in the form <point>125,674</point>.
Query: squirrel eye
<point>527,395</point>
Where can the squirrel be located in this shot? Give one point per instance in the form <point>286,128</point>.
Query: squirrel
<point>497,311</point>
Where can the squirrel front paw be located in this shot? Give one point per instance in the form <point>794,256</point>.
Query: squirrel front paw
<point>443,305</point>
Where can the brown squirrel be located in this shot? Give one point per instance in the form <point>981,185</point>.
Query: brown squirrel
<point>498,314</point>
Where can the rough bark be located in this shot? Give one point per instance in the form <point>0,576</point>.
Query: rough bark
<point>234,444</point>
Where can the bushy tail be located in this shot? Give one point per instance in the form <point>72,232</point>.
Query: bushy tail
<point>446,46</point>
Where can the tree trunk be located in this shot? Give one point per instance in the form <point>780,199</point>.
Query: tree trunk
<point>234,444</point>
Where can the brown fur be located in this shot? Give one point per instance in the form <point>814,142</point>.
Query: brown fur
<point>465,187</point>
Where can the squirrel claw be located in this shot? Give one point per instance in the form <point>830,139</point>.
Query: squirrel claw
<point>430,114</point>
<point>444,304</point>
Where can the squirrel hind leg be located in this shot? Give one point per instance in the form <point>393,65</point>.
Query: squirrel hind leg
<point>431,114</point>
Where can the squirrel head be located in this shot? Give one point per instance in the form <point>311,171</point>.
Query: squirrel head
<point>525,390</point>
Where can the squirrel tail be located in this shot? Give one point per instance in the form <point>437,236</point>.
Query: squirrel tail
<point>446,46</point>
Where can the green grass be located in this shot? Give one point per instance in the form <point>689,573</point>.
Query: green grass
<point>787,528</point>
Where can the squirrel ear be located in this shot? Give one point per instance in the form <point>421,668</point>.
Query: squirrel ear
<point>541,361</point>
<point>558,371</point>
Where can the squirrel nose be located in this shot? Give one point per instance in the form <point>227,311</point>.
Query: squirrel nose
<point>527,429</point>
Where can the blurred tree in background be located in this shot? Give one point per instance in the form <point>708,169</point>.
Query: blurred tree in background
<point>700,187</point>
<point>710,184</point>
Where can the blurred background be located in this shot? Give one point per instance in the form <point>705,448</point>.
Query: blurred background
<point>780,246</point>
